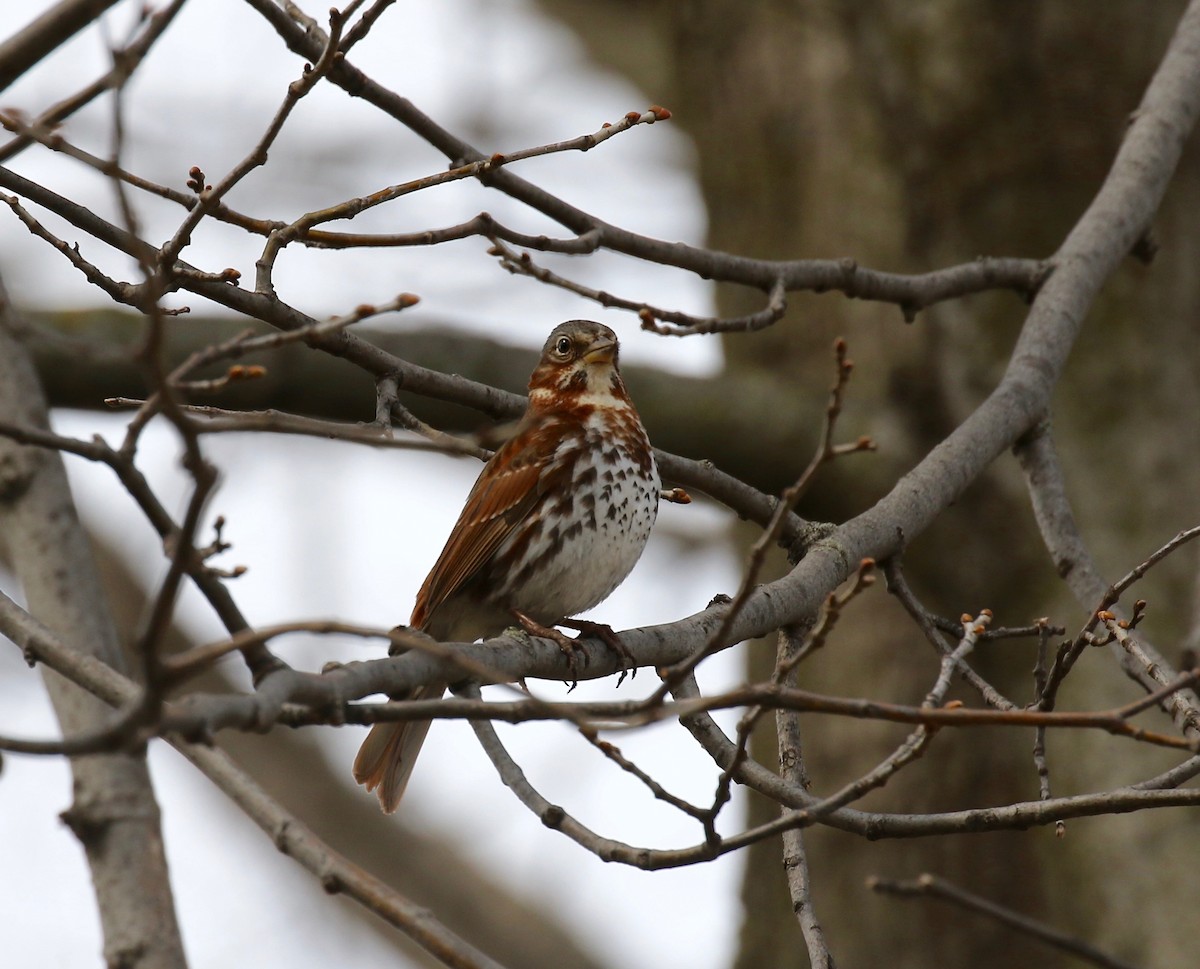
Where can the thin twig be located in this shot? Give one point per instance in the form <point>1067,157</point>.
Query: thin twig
<point>481,168</point>
<point>218,420</point>
<point>825,451</point>
<point>793,771</point>
<point>930,886</point>
<point>931,627</point>
<point>208,195</point>
<point>389,410</point>
<point>682,324</point>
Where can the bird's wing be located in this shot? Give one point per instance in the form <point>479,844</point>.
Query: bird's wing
<point>502,497</point>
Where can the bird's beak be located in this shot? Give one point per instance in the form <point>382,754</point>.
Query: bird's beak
<point>601,352</point>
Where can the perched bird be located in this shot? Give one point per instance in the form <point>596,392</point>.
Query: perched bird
<point>554,523</point>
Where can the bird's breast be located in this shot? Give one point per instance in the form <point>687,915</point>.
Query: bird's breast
<point>598,500</point>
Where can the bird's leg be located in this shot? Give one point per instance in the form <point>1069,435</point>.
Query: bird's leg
<point>565,643</point>
<point>610,639</point>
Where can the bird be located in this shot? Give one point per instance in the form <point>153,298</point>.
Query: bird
<point>554,523</point>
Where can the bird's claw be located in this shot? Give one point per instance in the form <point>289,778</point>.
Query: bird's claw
<point>608,636</point>
<point>577,658</point>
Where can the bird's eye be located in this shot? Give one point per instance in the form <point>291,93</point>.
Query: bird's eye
<point>563,346</point>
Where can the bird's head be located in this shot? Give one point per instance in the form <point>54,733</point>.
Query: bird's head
<point>579,364</point>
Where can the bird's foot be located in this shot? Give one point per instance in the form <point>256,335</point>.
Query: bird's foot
<point>608,636</point>
<point>576,657</point>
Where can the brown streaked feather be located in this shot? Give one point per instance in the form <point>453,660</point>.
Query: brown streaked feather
<point>497,504</point>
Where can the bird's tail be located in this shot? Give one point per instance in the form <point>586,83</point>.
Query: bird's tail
<point>385,759</point>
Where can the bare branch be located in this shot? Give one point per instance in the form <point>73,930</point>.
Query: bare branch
<point>929,625</point>
<point>793,771</point>
<point>772,533</point>
<point>830,565</point>
<point>114,813</point>
<point>911,293</point>
<point>930,886</point>
<point>1052,509</point>
<point>337,874</point>
<point>482,168</point>
<point>49,31</point>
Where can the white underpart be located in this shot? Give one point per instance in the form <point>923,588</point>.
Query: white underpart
<point>606,539</point>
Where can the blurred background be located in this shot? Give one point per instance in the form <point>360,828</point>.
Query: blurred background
<point>908,136</point>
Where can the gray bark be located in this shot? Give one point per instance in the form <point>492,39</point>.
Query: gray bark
<point>114,813</point>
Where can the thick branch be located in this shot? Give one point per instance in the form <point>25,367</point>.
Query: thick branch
<point>51,30</point>
<point>1075,563</point>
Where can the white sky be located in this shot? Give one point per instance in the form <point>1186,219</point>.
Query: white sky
<point>505,79</point>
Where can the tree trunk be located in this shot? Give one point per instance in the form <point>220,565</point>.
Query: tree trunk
<point>908,137</point>
<point>114,813</point>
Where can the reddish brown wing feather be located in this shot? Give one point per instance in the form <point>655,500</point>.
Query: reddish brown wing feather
<point>503,495</point>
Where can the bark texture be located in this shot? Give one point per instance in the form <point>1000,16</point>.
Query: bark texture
<point>114,812</point>
<point>909,136</point>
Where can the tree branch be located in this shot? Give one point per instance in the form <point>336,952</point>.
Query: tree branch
<point>930,886</point>
<point>114,813</point>
<point>911,293</point>
<point>48,32</point>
